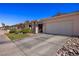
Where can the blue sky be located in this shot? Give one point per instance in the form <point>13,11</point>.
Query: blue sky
<point>11,13</point>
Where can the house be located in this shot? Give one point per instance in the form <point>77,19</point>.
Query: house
<point>66,24</point>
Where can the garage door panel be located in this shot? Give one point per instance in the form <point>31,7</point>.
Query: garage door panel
<point>76,27</point>
<point>60,28</point>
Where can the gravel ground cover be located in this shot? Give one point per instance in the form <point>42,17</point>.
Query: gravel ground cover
<point>71,48</point>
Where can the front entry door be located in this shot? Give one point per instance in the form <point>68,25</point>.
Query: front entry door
<point>40,28</point>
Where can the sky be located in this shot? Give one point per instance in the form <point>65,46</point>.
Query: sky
<point>11,13</point>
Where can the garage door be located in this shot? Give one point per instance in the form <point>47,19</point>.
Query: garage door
<point>76,27</point>
<point>63,27</point>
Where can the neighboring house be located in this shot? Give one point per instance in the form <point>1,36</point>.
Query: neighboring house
<point>67,24</point>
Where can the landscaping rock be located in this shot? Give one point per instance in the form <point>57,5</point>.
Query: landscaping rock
<point>71,48</point>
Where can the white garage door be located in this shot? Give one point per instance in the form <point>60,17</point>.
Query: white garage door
<point>64,27</point>
<point>76,27</point>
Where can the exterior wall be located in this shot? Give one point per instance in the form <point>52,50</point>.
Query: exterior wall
<point>65,25</point>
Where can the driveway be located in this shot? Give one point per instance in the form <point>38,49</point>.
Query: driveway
<point>8,48</point>
<point>42,44</point>
<point>37,45</point>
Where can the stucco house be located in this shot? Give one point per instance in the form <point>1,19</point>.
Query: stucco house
<point>66,24</point>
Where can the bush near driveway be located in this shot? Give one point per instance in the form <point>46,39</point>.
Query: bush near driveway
<point>12,31</point>
<point>18,31</point>
<point>19,34</point>
<point>26,30</point>
<point>14,36</point>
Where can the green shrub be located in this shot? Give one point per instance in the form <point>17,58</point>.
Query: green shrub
<point>18,31</point>
<point>14,36</point>
<point>12,31</point>
<point>26,30</point>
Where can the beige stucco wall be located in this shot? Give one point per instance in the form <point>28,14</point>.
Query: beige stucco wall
<point>65,25</point>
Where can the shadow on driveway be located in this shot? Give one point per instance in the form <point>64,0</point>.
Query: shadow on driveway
<point>4,42</point>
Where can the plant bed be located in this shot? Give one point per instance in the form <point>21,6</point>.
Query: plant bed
<point>14,36</point>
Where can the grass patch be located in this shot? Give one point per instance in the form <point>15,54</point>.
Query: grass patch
<point>14,36</point>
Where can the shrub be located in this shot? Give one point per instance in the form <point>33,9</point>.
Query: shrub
<point>12,31</point>
<point>26,30</point>
<point>18,31</point>
<point>14,36</point>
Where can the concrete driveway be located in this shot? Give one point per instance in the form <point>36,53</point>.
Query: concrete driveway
<point>37,45</point>
<point>8,48</point>
<point>42,44</point>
